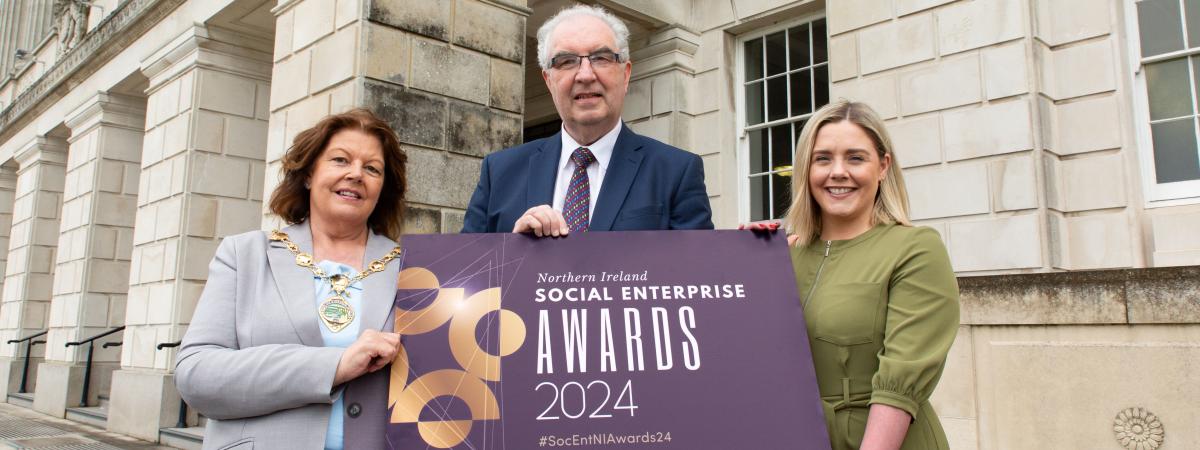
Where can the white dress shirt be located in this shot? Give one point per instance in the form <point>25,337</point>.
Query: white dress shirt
<point>602,149</point>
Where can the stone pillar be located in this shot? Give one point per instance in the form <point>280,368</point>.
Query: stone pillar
<point>201,180</point>
<point>1091,180</point>
<point>29,271</point>
<point>94,247</point>
<point>446,74</point>
<point>663,99</point>
<point>8,185</point>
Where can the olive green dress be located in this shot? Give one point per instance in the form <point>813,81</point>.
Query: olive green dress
<point>882,311</point>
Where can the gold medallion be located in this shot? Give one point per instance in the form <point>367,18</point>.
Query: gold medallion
<point>336,313</point>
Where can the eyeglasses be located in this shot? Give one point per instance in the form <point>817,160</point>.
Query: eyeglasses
<point>600,60</point>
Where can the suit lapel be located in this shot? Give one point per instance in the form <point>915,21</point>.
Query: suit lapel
<point>379,290</point>
<point>626,159</point>
<point>543,169</point>
<point>295,285</point>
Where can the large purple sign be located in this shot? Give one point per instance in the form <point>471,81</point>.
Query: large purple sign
<point>640,340</point>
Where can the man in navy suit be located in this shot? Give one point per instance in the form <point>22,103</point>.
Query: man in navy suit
<point>596,174</point>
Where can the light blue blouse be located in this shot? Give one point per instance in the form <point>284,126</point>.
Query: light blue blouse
<point>343,338</point>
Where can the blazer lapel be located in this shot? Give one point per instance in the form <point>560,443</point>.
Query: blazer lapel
<point>379,290</point>
<point>543,169</point>
<point>622,168</point>
<point>295,285</point>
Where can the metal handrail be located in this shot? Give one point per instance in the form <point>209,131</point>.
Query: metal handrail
<point>87,370</point>
<point>98,336</point>
<point>26,338</point>
<point>182,422</point>
<point>28,355</point>
<point>168,345</point>
<point>111,344</point>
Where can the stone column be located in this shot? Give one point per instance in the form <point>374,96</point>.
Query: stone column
<point>29,271</point>
<point>94,247</point>
<point>446,74</point>
<point>664,100</point>
<point>8,186</point>
<point>201,180</point>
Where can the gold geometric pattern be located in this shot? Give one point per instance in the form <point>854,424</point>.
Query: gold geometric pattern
<point>467,383</point>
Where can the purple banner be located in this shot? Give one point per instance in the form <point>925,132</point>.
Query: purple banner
<point>638,340</point>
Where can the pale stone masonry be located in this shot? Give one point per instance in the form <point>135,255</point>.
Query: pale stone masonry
<point>1021,127</point>
<point>201,179</point>
<point>29,270</point>
<point>990,87</point>
<point>445,74</point>
<point>94,246</point>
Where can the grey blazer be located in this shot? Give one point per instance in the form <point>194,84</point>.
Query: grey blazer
<point>253,359</point>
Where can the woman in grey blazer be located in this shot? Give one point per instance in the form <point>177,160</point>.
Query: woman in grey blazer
<point>285,347</point>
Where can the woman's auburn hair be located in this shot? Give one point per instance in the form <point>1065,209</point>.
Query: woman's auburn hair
<point>290,200</point>
<point>803,217</point>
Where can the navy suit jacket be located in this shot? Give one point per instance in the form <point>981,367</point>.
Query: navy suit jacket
<point>648,185</point>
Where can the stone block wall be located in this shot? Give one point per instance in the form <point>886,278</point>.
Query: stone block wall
<point>1000,109</point>
<point>96,230</point>
<point>447,76</point>
<point>201,179</point>
<point>8,185</point>
<point>993,104</point>
<point>1052,360</point>
<point>29,270</point>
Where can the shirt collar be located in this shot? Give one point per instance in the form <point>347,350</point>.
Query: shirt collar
<point>602,149</point>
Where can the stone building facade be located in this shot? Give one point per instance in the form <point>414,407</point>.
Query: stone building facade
<point>1052,143</point>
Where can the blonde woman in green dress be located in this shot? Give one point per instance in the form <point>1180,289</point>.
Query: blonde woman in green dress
<point>879,296</point>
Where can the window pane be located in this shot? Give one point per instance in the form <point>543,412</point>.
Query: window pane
<point>801,94</point>
<point>1192,12</point>
<point>1159,26</point>
<point>754,59</point>
<point>777,103</point>
<point>776,53</point>
<point>1175,156</point>
<point>781,190</point>
<point>821,85</point>
<point>754,103</point>
<point>820,53</point>
<point>1167,86</point>
<point>758,151</point>
<point>781,146</point>
<point>1196,74</point>
<point>759,198</point>
<point>798,47</point>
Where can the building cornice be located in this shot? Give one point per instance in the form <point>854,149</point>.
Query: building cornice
<point>1159,295</point>
<point>111,36</point>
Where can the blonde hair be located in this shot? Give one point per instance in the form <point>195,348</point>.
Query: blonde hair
<point>803,218</point>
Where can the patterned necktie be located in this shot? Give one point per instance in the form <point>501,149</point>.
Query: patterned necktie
<point>579,192</point>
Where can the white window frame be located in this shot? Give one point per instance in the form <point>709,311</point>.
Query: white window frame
<point>743,137</point>
<point>1156,194</point>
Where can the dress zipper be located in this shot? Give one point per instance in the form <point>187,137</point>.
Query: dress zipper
<point>817,278</point>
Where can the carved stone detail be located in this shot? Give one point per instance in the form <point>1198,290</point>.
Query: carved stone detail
<point>1138,429</point>
<point>72,18</point>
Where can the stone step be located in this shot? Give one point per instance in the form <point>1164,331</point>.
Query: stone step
<point>96,416</point>
<point>191,438</point>
<point>24,400</point>
<point>102,399</point>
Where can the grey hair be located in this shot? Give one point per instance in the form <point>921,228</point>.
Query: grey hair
<point>620,31</point>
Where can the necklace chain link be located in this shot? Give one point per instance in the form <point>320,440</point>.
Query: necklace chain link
<point>335,312</point>
<point>305,260</point>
